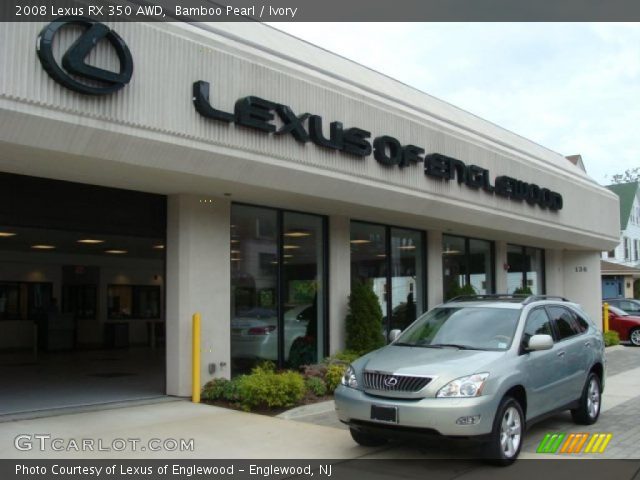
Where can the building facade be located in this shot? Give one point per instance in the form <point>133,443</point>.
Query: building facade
<point>289,173</point>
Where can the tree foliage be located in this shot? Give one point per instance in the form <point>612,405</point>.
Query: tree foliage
<point>364,320</point>
<point>629,175</point>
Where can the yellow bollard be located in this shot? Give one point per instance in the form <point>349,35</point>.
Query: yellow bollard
<point>605,317</point>
<point>195,363</point>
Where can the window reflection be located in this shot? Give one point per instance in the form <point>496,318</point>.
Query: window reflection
<point>467,266</point>
<point>526,270</point>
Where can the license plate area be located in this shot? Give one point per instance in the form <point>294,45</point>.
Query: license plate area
<point>384,414</point>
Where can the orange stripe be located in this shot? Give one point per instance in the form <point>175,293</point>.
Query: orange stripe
<point>566,443</point>
<point>576,438</point>
<point>582,442</point>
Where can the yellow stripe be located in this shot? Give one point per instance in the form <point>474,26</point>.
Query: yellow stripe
<point>566,443</point>
<point>582,441</point>
<point>606,442</point>
<point>596,445</point>
<point>590,444</point>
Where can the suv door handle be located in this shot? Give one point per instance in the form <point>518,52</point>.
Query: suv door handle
<point>587,344</point>
<point>561,354</point>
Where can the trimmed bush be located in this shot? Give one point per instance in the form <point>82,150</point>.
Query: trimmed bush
<point>523,291</point>
<point>611,338</point>
<point>364,321</point>
<point>264,388</point>
<point>316,386</point>
<point>334,375</point>
<point>346,356</point>
<point>214,390</point>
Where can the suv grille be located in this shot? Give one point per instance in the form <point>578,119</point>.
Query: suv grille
<point>394,383</point>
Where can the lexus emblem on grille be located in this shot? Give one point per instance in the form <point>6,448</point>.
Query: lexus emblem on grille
<point>390,382</point>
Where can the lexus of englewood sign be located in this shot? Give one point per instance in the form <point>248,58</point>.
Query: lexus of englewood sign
<point>258,114</point>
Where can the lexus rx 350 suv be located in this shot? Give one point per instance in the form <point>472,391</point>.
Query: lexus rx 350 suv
<point>484,367</point>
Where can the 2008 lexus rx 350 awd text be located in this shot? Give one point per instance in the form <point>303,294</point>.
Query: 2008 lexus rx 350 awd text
<point>482,366</point>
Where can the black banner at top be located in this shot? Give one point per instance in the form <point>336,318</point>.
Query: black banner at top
<point>325,10</point>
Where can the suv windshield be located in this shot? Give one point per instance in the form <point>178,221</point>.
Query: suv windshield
<point>474,328</point>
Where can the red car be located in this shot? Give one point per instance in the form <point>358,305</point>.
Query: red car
<point>627,326</point>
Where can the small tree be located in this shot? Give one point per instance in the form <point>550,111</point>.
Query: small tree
<point>629,175</point>
<point>364,320</point>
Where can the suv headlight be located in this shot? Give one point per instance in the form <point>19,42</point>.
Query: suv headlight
<point>463,387</point>
<point>349,378</point>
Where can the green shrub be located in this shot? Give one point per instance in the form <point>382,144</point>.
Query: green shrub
<point>346,356</point>
<point>316,386</point>
<point>334,375</point>
<point>364,321</point>
<point>455,290</point>
<point>231,390</point>
<point>611,338</point>
<point>264,388</point>
<point>523,291</point>
<point>214,390</point>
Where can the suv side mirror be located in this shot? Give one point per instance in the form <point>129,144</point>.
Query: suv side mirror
<point>393,334</point>
<point>540,342</point>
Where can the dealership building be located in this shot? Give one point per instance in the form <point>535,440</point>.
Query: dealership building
<point>155,170</point>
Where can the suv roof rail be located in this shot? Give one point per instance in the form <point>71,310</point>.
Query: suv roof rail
<point>524,298</point>
<point>535,298</point>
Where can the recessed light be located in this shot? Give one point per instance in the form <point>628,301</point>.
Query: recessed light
<point>90,241</point>
<point>407,247</point>
<point>235,251</point>
<point>288,256</point>
<point>297,234</point>
<point>290,247</point>
<point>235,241</point>
<point>158,247</point>
<point>116,252</point>
<point>7,234</point>
<point>235,259</point>
<point>43,247</point>
<point>360,242</point>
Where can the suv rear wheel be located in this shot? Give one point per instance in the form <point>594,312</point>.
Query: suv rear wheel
<point>589,410</point>
<point>508,428</point>
<point>366,439</point>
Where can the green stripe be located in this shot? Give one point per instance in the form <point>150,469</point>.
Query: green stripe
<point>558,442</point>
<point>543,443</point>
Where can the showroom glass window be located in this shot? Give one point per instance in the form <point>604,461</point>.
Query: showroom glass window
<point>278,287</point>
<point>392,261</point>
<point>467,266</point>
<point>526,270</point>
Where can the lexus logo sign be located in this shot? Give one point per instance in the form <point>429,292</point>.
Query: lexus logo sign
<point>75,73</point>
<point>390,382</point>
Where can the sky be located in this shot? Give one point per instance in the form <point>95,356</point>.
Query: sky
<point>571,87</point>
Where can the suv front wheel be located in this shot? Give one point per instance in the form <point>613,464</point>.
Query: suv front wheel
<point>589,409</point>
<point>506,438</point>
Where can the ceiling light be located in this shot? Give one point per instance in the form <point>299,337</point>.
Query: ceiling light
<point>235,259</point>
<point>43,247</point>
<point>235,251</point>
<point>297,234</point>
<point>360,241</point>
<point>290,247</point>
<point>407,247</point>
<point>7,234</point>
<point>235,241</point>
<point>158,247</point>
<point>116,252</point>
<point>288,256</point>
<point>381,255</point>
<point>90,241</point>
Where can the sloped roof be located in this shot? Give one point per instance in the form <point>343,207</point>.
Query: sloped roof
<point>626,192</point>
<point>610,268</point>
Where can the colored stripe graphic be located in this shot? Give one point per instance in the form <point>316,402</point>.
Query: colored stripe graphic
<point>574,442</point>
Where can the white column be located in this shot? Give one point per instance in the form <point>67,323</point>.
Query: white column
<point>500,262</point>
<point>435,294</point>
<point>198,280</point>
<point>339,279</point>
<point>582,282</point>
<point>554,272</point>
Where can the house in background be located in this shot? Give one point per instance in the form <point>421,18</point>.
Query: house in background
<point>620,267</point>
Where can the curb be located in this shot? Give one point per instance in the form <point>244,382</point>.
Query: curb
<point>307,410</point>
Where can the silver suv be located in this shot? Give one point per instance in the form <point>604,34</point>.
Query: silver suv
<point>480,366</point>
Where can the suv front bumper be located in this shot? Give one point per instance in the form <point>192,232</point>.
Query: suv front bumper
<point>434,415</point>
